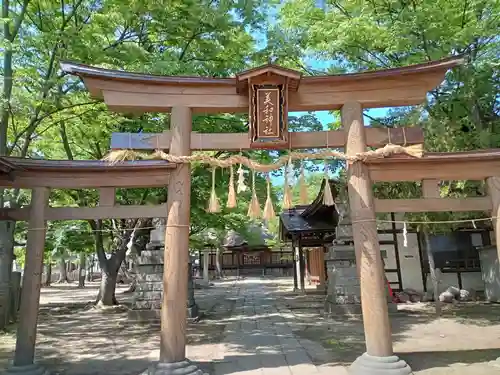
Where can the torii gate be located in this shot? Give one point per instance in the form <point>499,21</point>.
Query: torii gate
<point>286,90</point>
<point>183,96</point>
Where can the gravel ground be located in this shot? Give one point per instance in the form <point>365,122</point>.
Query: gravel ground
<point>74,338</point>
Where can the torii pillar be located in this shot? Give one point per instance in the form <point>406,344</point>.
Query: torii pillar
<point>175,268</point>
<point>379,358</point>
<point>24,356</point>
<point>493,185</point>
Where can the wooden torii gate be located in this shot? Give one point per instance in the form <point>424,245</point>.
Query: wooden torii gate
<point>248,91</point>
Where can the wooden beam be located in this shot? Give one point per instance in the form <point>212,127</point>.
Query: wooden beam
<point>433,205</point>
<point>133,178</point>
<point>87,213</point>
<point>133,92</point>
<point>376,137</point>
<point>312,95</point>
<point>435,169</point>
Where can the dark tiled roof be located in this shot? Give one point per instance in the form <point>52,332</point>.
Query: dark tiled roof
<point>314,218</point>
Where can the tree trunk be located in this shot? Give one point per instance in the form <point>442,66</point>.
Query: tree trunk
<point>11,26</point>
<point>81,270</point>
<point>109,269</point>
<point>48,273</point>
<point>6,259</point>
<point>111,266</point>
<point>432,268</point>
<point>90,272</point>
<point>107,289</point>
<point>132,287</point>
<point>63,271</point>
<point>218,267</point>
<point>109,274</point>
<point>193,311</point>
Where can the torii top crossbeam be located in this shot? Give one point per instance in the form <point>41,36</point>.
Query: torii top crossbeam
<point>267,93</point>
<point>133,92</point>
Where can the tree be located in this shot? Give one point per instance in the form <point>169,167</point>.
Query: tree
<point>12,21</point>
<point>185,37</point>
<point>462,114</point>
<point>385,34</point>
<point>69,238</point>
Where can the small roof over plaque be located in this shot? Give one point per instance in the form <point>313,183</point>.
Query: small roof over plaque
<point>269,70</point>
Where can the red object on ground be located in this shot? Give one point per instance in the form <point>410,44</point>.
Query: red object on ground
<point>395,299</point>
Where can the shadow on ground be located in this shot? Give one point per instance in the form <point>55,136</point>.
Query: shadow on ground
<point>426,360</point>
<point>75,338</point>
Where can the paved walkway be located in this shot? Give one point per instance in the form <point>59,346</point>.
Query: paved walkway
<point>259,338</point>
<point>254,326</point>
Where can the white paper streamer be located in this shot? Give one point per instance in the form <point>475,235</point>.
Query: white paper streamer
<point>290,173</point>
<point>240,185</point>
<point>405,235</point>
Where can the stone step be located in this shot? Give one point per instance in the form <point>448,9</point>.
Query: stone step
<point>149,286</point>
<point>151,257</point>
<point>147,295</point>
<point>147,305</point>
<point>148,277</point>
<point>144,315</point>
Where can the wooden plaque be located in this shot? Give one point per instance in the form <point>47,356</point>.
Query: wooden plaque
<point>268,127</point>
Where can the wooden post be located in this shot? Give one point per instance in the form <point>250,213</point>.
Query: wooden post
<point>430,189</point>
<point>15,289</point>
<point>307,266</point>
<point>302,268</point>
<point>294,262</point>
<point>206,265</point>
<point>175,269</point>
<point>493,185</point>
<point>32,280</point>
<point>371,270</point>
<point>107,197</point>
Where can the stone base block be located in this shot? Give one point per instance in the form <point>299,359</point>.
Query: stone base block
<point>185,367</point>
<point>352,308</point>
<point>144,316</point>
<point>370,365</point>
<point>321,287</point>
<point>392,307</point>
<point>153,316</point>
<point>33,369</point>
<point>335,309</point>
<point>495,363</point>
<point>193,313</point>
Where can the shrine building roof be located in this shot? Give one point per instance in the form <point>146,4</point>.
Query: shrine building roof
<point>315,222</point>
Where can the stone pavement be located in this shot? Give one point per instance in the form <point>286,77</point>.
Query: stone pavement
<point>259,337</point>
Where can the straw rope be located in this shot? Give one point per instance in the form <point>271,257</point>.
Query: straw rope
<point>409,222</point>
<point>117,156</point>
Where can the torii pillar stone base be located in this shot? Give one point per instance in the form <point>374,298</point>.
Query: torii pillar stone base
<point>185,367</point>
<point>33,369</point>
<point>370,365</point>
<point>495,363</point>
